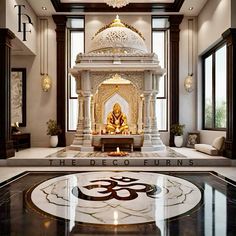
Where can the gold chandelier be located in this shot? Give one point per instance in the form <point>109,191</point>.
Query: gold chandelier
<point>116,3</point>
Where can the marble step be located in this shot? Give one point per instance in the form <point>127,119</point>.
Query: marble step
<point>121,161</point>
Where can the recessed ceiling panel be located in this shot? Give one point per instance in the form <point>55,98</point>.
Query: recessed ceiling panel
<point>131,1</point>
<point>101,6</point>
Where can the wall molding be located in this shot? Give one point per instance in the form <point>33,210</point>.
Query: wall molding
<point>103,7</point>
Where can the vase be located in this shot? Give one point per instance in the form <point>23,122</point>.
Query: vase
<point>53,140</point>
<point>178,140</point>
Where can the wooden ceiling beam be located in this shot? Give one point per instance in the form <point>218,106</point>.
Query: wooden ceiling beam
<point>103,7</point>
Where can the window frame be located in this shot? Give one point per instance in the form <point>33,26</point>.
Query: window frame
<point>166,85</point>
<point>68,80</point>
<point>212,52</point>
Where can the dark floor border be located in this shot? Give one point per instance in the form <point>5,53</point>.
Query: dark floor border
<point>18,176</point>
<point>14,178</point>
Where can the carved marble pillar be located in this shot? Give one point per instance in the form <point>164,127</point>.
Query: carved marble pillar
<point>155,91</point>
<point>80,125</point>
<point>151,110</point>
<point>153,114</point>
<point>87,142</point>
<point>147,99</point>
<point>81,110</point>
<point>86,87</point>
<point>87,113</point>
<point>140,115</point>
<point>92,114</point>
<point>147,142</point>
<point>156,140</point>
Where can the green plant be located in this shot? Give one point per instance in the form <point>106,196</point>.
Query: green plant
<point>177,129</point>
<point>220,115</point>
<point>53,128</point>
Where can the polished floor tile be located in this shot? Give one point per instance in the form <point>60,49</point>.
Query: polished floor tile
<point>118,203</point>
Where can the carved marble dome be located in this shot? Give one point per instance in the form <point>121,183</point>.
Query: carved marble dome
<point>118,38</point>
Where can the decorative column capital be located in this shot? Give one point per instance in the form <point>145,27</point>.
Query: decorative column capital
<point>60,21</point>
<point>175,21</point>
<point>147,93</point>
<point>87,94</point>
<point>6,36</point>
<point>230,36</point>
<point>79,93</point>
<point>154,94</point>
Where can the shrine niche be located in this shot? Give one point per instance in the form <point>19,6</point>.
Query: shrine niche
<point>111,92</point>
<point>118,74</point>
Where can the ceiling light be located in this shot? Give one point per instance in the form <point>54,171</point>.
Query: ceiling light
<point>190,8</point>
<point>44,8</point>
<point>117,3</point>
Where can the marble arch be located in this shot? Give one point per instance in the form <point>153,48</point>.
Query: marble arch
<point>107,92</point>
<point>134,77</point>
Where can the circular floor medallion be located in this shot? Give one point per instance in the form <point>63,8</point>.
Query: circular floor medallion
<point>116,198</point>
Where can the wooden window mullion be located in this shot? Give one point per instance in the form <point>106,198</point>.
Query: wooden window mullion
<point>213,91</point>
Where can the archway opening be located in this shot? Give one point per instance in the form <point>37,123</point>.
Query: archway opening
<point>116,90</point>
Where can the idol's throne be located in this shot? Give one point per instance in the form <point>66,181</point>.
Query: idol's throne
<point>118,66</point>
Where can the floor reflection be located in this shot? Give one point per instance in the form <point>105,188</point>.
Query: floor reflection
<point>213,215</point>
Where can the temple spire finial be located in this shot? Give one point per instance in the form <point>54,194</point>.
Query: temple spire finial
<point>117,22</point>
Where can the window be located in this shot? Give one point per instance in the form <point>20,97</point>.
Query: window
<point>214,92</point>
<point>75,46</point>
<point>159,46</point>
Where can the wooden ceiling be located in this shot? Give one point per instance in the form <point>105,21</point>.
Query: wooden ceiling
<point>103,7</point>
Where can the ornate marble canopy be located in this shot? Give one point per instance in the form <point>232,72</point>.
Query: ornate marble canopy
<point>118,37</point>
<point>118,49</point>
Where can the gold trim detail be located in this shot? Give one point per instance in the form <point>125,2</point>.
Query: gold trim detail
<point>118,23</point>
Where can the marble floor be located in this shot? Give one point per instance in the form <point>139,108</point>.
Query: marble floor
<point>125,201</point>
<point>147,200</point>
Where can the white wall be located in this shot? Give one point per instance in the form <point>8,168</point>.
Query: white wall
<point>12,23</point>
<point>187,101</point>
<point>233,14</point>
<point>41,106</point>
<point>208,136</point>
<point>94,23</point>
<point>2,13</point>
<point>213,20</point>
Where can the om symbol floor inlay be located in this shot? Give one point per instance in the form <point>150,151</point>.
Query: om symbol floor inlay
<point>116,197</point>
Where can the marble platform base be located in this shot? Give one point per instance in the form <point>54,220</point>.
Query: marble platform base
<point>152,145</point>
<point>118,162</point>
<point>153,148</point>
<point>82,148</point>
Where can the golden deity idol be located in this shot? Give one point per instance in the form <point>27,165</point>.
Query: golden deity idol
<point>116,121</point>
